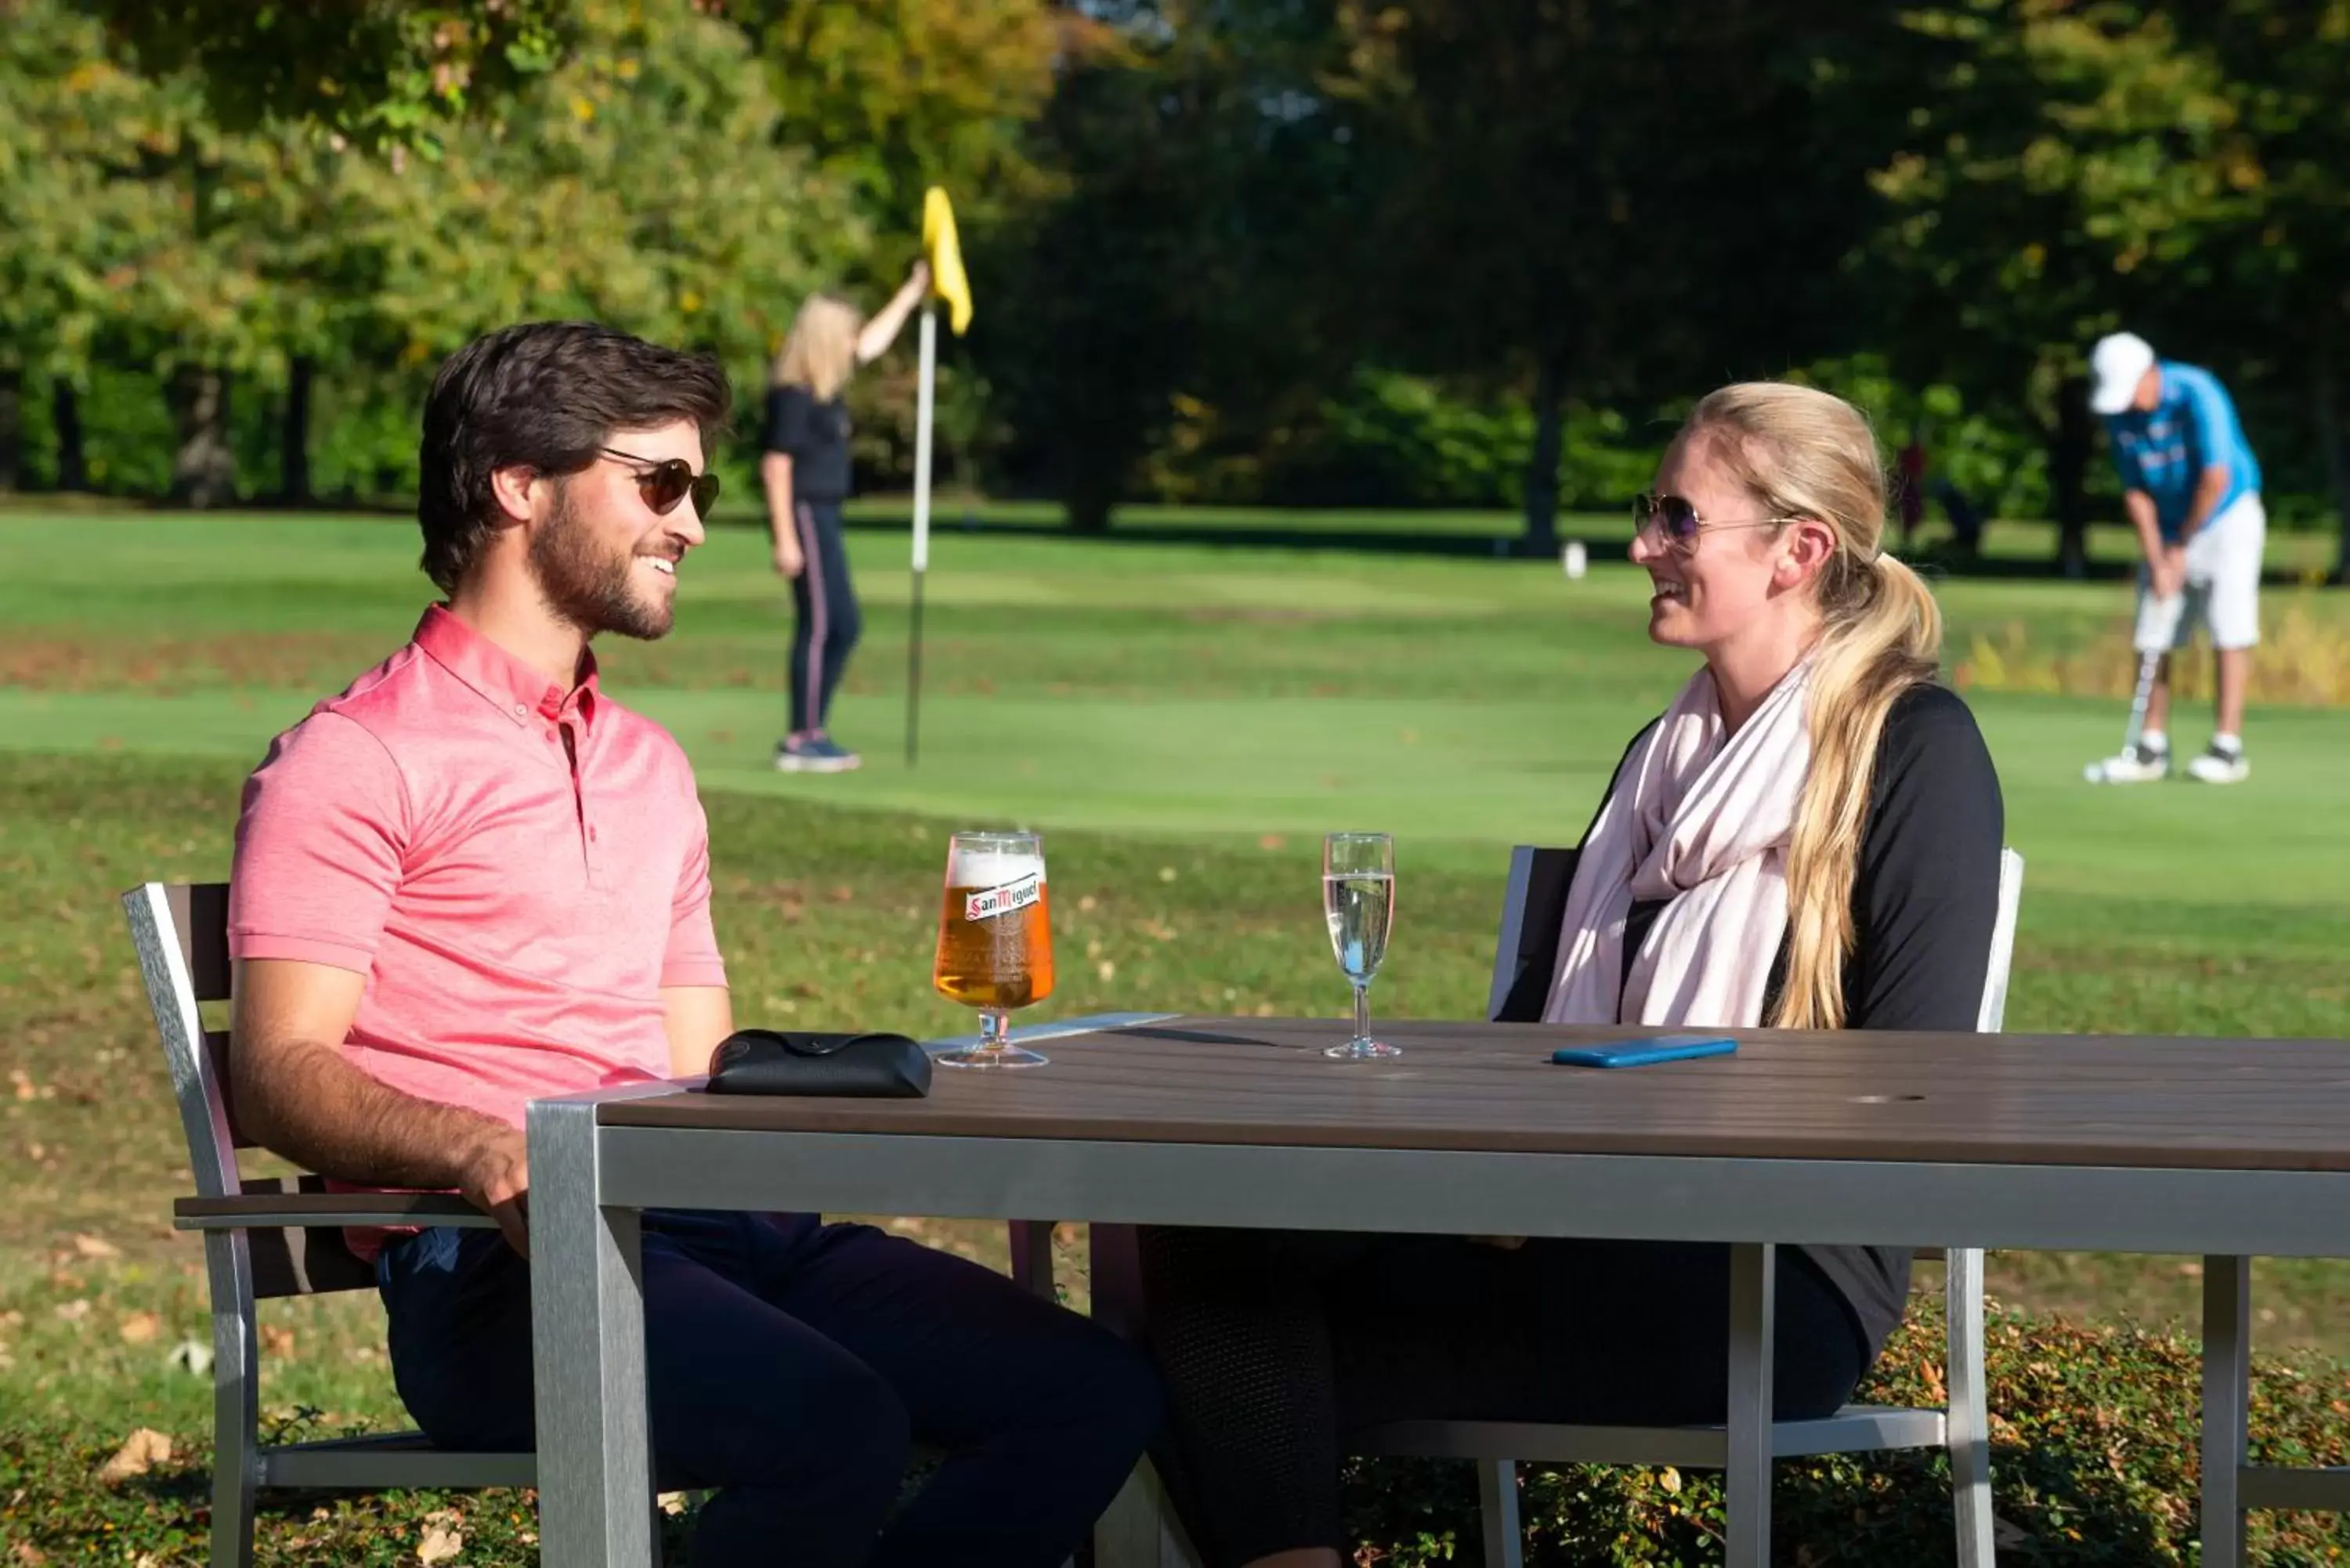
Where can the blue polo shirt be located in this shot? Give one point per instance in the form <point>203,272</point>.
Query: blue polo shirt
<point>2166,451</point>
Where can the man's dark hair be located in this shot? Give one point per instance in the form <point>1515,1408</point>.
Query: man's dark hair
<point>545,395</point>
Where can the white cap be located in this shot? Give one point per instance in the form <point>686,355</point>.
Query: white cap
<point>2117,364</point>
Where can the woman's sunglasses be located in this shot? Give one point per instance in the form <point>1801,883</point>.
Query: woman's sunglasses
<point>665,483</point>
<point>1676,523</point>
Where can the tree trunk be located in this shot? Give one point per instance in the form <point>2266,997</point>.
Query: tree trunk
<point>12,427</point>
<point>1542,468</point>
<point>204,470</point>
<point>65,414</point>
<point>2328,410</point>
<point>2069,450</point>
<point>293,452</point>
<point>1089,485</point>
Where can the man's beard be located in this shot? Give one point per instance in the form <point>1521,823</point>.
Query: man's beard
<point>591,588</point>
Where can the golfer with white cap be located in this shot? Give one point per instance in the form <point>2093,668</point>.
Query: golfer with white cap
<point>2192,489</point>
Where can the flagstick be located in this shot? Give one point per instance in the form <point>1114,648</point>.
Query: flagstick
<point>930,337</point>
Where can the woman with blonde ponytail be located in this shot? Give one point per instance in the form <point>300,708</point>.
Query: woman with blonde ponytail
<point>805,469</point>
<point>1809,839</point>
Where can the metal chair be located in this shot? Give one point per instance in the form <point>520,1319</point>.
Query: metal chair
<point>1142,1534</point>
<point>264,1240</point>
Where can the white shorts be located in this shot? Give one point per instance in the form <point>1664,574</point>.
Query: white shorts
<point>2223,585</point>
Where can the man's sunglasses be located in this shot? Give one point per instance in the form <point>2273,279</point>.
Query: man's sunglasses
<point>669,480</point>
<point>1676,523</point>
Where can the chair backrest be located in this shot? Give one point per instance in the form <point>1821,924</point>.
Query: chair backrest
<point>1993,1017</point>
<point>1534,906</point>
<point>180,933</point>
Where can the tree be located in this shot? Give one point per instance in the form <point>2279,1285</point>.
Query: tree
<point>2075,167</point>
<point>891,96</point>
<point>1569,193</point>
<point>65,117</point>
<point>2287,260</point>
<point>378,72</point>
<point>1193,257</point>
<point>641,185</point>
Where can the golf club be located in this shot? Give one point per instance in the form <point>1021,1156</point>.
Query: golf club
<point>2149,661</point>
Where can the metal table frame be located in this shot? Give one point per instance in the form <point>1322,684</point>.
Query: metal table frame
<point>592,1182</point>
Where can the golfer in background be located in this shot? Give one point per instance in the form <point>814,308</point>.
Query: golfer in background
<point>2192,489</point>
<point>806,469</point>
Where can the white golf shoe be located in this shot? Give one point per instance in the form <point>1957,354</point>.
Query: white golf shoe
<point>2220,765</point>
<point>2138,763</point>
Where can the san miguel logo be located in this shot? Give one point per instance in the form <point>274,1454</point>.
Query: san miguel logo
<point>990,902</point>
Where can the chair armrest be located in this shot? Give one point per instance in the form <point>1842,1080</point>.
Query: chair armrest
<point>305,1210</point>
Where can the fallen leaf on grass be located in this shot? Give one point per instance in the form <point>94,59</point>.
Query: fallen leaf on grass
<point>74,1310</point>
<point>95,1246</point>
<point>192,1356</point>
<point>29,1555</point>
<point>139,1328</point>
<point>275,1339</point>
<point>142,1452</point>
<point>440,1544</point>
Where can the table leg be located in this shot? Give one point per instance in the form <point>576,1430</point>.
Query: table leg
<point>1031,1256</point>
<point>588,1331</point>
<point>2227,1395</point>
<point>1746,1483</point>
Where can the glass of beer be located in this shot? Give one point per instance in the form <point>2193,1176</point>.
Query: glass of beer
<point>995,940</point>
<point>1358,901</point>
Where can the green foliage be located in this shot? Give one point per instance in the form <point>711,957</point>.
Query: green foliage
<point>69,125</point>
<point>893,96</point>
<point>2093,1463</point>
<point>1409,438</point>
<point>641,184</point>
<point>2073,168</point>
<point>380,72</point>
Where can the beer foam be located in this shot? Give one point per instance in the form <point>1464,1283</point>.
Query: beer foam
<point>992,868</point>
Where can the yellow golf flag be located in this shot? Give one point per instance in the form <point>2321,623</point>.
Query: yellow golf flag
<point>939,242</point>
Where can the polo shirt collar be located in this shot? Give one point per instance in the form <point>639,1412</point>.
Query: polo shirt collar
<point>501,680</point>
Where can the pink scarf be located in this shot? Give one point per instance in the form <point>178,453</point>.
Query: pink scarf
<point>1705,824</point>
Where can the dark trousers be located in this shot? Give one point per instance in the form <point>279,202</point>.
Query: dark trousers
<point>1275,1345</point>
<point>792,1367</point>
<point>826,621</point>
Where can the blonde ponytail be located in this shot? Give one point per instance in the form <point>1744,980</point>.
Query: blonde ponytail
<point>1805,453</point>
<point>820,351</point>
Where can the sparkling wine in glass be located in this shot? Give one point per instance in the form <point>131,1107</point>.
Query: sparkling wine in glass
<point>1358,902</point>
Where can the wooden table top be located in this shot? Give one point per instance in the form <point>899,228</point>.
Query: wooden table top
<point>2155,1102</point>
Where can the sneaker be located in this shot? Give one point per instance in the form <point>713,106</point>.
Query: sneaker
<point>814,755</point>
<point>2221,764</point>
<point>2140,763</point>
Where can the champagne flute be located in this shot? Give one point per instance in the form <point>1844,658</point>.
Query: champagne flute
<point>1358,902</point>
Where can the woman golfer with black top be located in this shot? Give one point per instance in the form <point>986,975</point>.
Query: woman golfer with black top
<point>806,469</point>
<point>1809,838</point>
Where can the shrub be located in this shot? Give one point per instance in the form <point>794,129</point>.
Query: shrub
<point>2094,1463</point>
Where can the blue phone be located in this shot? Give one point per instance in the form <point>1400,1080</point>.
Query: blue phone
<point>1641,1053</point>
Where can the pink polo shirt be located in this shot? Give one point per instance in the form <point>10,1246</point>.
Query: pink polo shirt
<point>518,872</point>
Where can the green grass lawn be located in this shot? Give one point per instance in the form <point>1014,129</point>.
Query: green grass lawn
<point>1185,719</point>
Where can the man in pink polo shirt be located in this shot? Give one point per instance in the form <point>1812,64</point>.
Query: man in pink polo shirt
<point>474,880</point>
